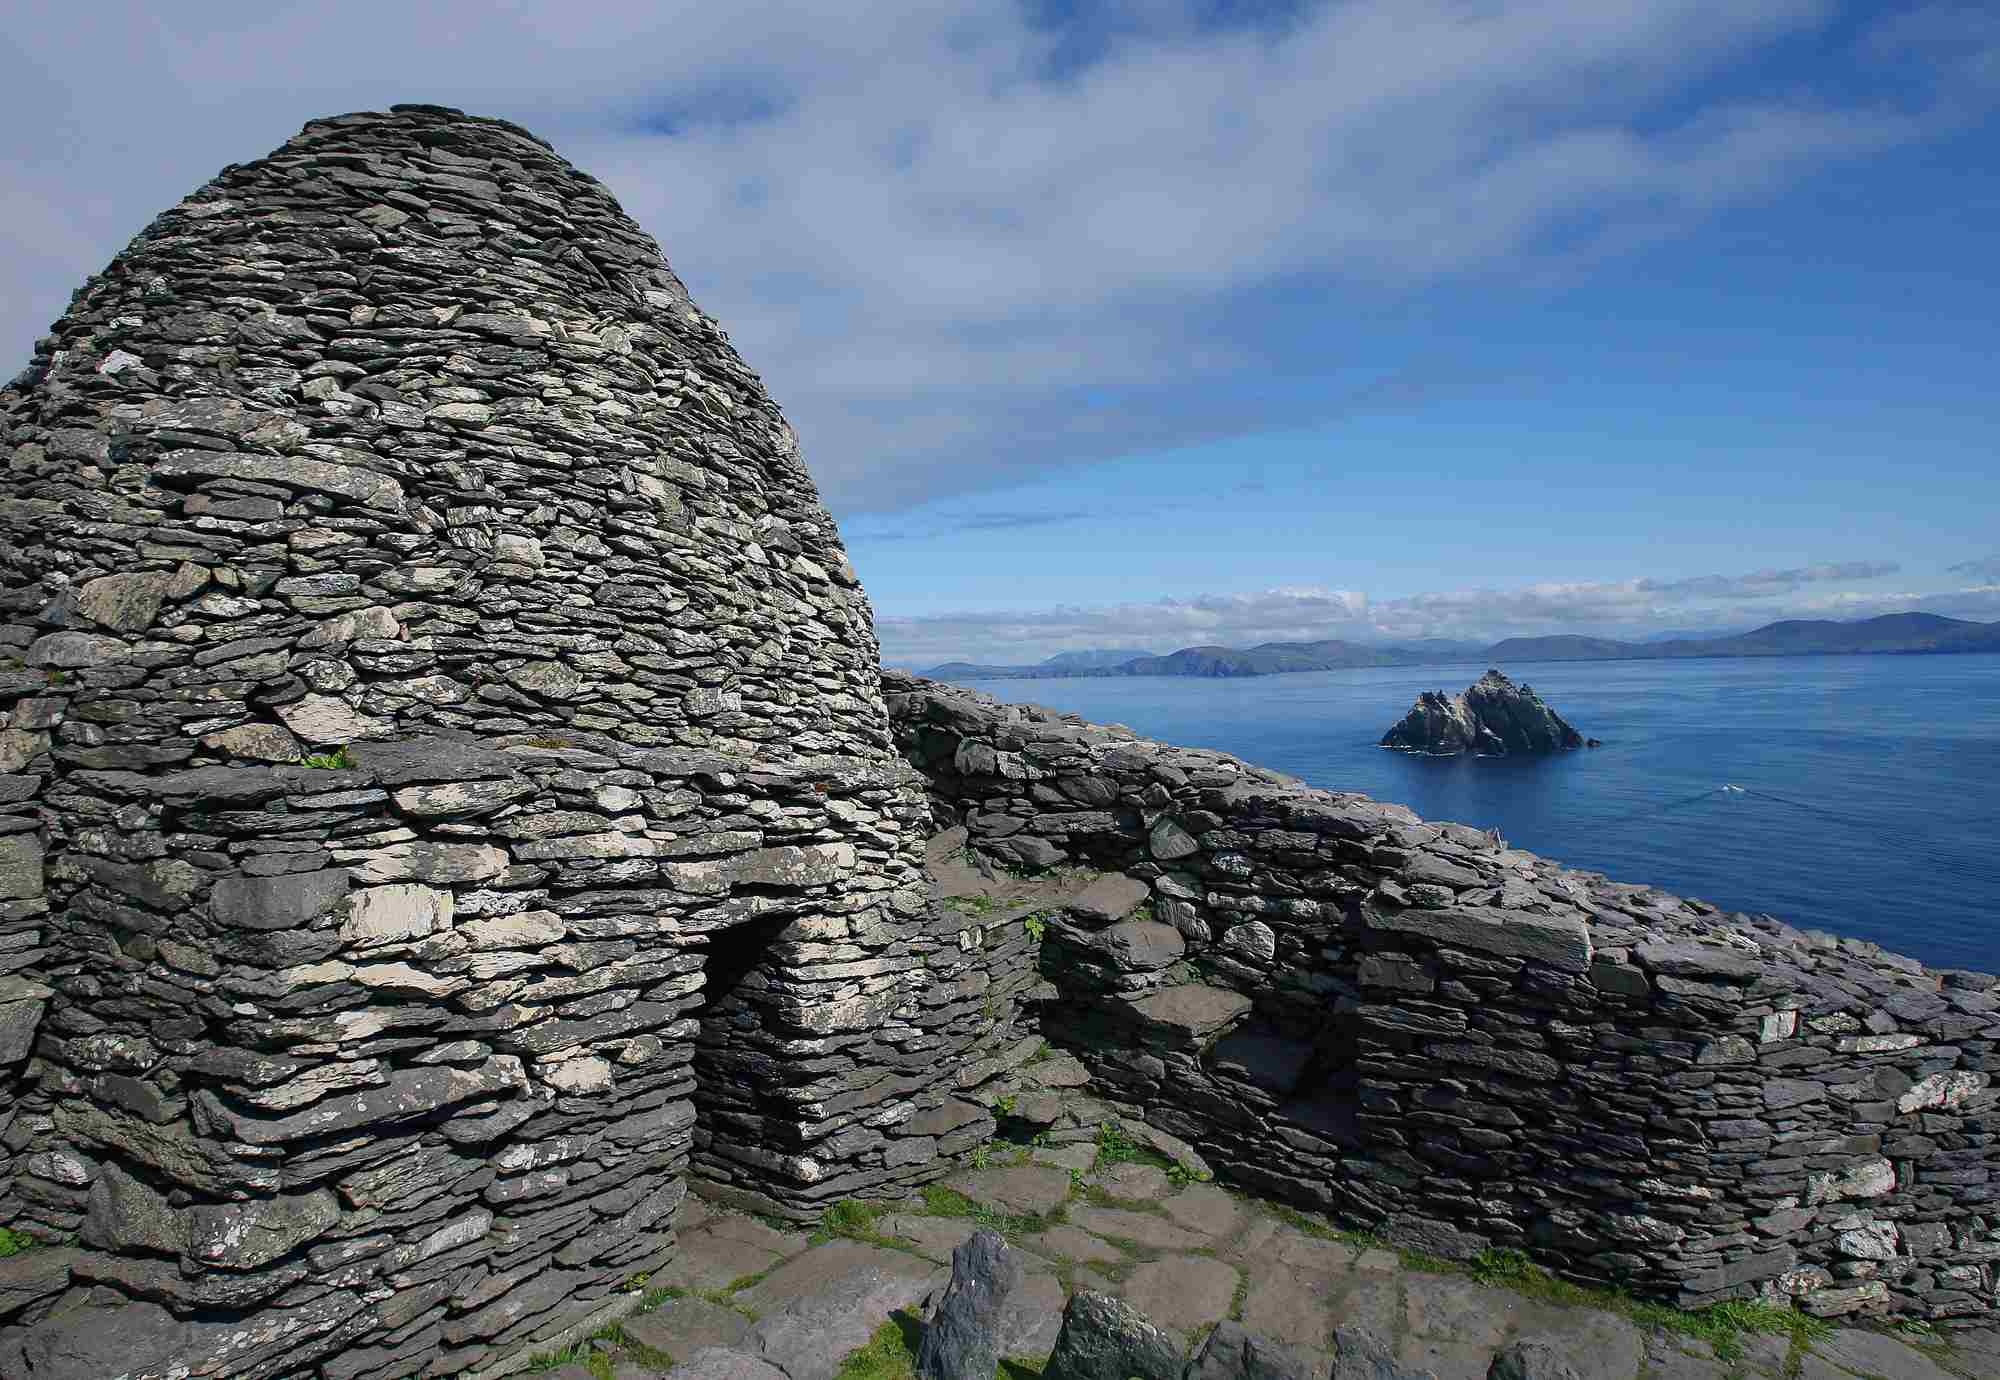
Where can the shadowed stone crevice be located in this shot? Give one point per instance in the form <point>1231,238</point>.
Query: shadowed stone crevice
<point>449,798</point>
<point>423,655</point>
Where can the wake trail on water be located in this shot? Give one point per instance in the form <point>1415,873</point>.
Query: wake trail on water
<point>1652,811</point>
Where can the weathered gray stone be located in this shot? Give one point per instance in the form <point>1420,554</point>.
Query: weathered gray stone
<point>1232,1353</point>
<point>21,862</point>
<point>1108,899</point>
<point>683,1326</point>
<point>396,913</point>
<point>1558,942</point>
<point>242,1236</point>
<point>725,1363</point>
<point>1531,1358</point>
<point>126,1214</point>
<point>1359,1355</point>
<point>124,603</point>
<point>1103,1338</point>
<point>21,1006</point>
<point>255,743</point>
<point>408,1093</point>
<point>271,903</point>
<point>962,1340</point>
<point>130,1339</point>
<point>1168,841</point>
<point>1686,960</point>
<point>69,651</point>
<point>32,1275</point>
<point>807,1338</point>
<point>359,486</point>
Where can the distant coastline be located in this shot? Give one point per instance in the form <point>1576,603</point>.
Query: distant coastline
<point>1891,634</point>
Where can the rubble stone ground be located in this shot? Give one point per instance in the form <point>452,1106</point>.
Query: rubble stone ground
<point>1187,1254</point>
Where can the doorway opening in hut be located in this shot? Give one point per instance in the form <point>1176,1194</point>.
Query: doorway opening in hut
<point>741,1131</point>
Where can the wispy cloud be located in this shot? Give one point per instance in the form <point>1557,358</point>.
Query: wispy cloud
<point>1036,243</point>
<point>1608,607</point>
<point>1984,566</point>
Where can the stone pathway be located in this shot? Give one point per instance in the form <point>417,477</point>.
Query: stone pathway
<point>1188,1255</point>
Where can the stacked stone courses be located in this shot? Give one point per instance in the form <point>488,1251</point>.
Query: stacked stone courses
<point>450,807</point>
<point>447,796</point>
<point>1418,1029</point>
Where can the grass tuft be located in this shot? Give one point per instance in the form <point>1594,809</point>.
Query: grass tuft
<point>852,1219</point>
<point>340,759</point>
<point>1723,1325</point>
<point>891,1354</point>
<point>940,1201</point>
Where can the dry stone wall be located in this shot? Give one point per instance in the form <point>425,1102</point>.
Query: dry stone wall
<point>1422,1030</point>
<point>446,800</point>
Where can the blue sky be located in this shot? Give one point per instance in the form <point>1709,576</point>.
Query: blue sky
<point>1152,323</point>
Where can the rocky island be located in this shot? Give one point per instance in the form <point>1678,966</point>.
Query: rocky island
<point>1493,718</point>
<point>472,902</point>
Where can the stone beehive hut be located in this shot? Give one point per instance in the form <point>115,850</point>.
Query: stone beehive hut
<point>446,798</point>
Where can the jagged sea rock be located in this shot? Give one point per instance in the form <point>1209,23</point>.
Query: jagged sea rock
<point>1493,717</point>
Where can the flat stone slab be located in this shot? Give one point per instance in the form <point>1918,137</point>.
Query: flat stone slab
<point>1032,1188</point>
<point>1072,1243</point>
<point>1372,1303</point>
<point>1604,1346</point>
<point>683,1326</point>
<point>825,1266</point>
<point>1207,1209</point>
<point>933,1238</point>
<point>1444,1358</point>
<point>1878,1356</point>
<point>1111,897</point>
<point>706,1262</point>
<point>1290,1306</point>
<point>1140,1228</point>
<point>1031,1318</point>
<point>1058,1071</point>
<point>736,1227</point>
<point>1457,1310</point>
<point>721,1363</point>
<point>1066,1157</point>
<point>1138,1183</point>
<point>1311,1253</point>
<point>1191,1011</point>
<point>1181,1292</point>
<point>813,1332</point>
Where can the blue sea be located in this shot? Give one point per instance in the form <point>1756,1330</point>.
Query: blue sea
<point>1870,801</point>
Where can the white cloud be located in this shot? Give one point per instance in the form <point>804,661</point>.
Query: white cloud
<point>1603,608</point>
<point>936,236</point>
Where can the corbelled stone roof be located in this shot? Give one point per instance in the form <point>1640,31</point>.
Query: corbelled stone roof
<point>416,397</point>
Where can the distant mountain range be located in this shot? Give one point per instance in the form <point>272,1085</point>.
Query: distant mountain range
<point>1905,633</point>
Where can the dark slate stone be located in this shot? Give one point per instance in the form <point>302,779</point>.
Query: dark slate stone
<point>1531,1358</point>
<point>1103,1338</point>
<point>962,1341</point>
<point>1231,1353</point>
<point>1560,943</point>
<point>408,762</point>
<point>94,1343</point>
<point>1699,961</point>
<point>276,903</point>
<point>1358,1355</point>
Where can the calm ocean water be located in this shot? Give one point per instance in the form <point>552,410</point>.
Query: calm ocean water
<point>1872,783</point>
